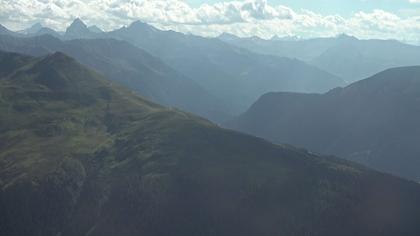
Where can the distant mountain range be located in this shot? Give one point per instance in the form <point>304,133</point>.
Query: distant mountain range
<point>235,76</point>
<point>5,31</point>
<point>82,156</point>
<point>130,66</point>
<point>344,56</point>
<point>374,121</point>
<point>78,30</point>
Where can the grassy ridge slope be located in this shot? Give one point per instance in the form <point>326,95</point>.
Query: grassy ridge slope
<point>81,157</point>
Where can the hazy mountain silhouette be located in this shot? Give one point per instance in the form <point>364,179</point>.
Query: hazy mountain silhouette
<point>35,28</point>
<point>79,156</point>
<point>130,66</point>
<point>95,29</point>
<point>237,76</point>
<point>47,31</point>
<point>6,31</point>
<point>79,30</point>
<point>374,121</point>
<point>344,56</point>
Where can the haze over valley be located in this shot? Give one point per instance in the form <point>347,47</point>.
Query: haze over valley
<point>195,117</point>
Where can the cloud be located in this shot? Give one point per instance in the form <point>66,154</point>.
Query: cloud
<point>244,18</point>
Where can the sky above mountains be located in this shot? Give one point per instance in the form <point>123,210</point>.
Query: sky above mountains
<point>342,7</point>
<point>398,19</point>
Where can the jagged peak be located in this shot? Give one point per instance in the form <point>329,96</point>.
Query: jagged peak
<point>34,28</point>
<point>138,24</point>
<point>78,21</point>
<point>77,29</point>
<point>77,24</point>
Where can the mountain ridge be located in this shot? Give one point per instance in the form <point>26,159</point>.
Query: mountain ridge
<point>345,56</point>
<point>99,160</point>
<point>121,62</point>
<point>79,30</point>
<point>235,75</point>
<point>372,121</point>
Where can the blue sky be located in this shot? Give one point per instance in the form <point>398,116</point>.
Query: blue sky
<point>342,7</point>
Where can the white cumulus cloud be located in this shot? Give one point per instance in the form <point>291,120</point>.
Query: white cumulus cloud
<point>244,18</point>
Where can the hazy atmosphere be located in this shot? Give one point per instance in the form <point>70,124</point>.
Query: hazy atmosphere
<point>204,118</point>
<point>385,19</point>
